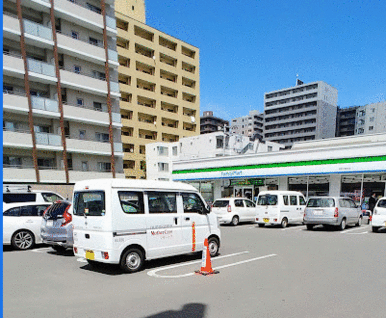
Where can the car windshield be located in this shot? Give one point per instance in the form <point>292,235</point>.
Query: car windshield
<point>90,203</point>
<point>267,199</point>
<point>51,197</point>
<point>321,203</point>
<point>382,204</point>
<point>220,203</point>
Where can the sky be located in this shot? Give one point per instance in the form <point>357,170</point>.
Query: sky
<point>248,48</point>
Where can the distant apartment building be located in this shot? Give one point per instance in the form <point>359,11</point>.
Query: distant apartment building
<point>251,126</point>
<point>160,156</point>
<point>210,123</point>
<point>159,86</point>
<point>300,113</point>
<point>371,119</point>
<point>61,116</point>
<point>345,121</point>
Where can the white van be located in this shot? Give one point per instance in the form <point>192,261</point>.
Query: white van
<point>126,222</point>
<point>280,207</point>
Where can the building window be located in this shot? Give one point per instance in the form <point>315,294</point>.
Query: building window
<point>102,137</point>
<point>93,41</point>
<point>371,119</point>
<point>98,106</point>
<point>174,149</point>
<point>162,151</point>
<point>104,166</point>
<point>269,148</point>
<point>371,127</point>
<point>10,161</point>
<point>80,101</point>
<point>77,69</point>
<point>163,167</point>
<point>84,166</point>
<point>75,35</point>
<point>82,134</point>
<point>45,163</point>
<point>219,142</point>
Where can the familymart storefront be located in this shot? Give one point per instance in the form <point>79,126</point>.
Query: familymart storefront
<point>350,166</point>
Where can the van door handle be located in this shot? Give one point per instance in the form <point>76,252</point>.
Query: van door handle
<point>175,221</point>
<point>187,219</point>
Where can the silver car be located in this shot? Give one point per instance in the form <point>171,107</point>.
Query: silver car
<point>57,228</point>
<point>332,211</point>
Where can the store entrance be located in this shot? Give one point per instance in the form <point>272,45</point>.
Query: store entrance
<point>245,192</point>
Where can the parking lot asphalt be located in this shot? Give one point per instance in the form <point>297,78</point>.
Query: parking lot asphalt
<point>264,272</point>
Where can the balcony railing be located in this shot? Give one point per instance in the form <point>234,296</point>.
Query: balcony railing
<point>46,104</point>
<point>48,139</point>
<point>37,29</point>
<point>41,67</point>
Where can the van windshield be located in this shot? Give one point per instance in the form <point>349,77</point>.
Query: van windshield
<point>90,203</point>
<point>267,199</point>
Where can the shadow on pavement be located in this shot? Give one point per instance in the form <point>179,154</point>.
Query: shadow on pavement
<point>189,310</point>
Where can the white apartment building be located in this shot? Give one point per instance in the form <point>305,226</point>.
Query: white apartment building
<point>371,119</point>
<point>160,156</point>
<point>300,113</point>
<point>251,125</point>
<point>61,116</point>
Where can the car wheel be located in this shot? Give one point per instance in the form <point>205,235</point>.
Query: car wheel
<point>235,220</point>
<point>132,260</point>
<point>359,223</point>
<point>58,248</point>
<point>309,227</point>
<point>375,228</point>
<point>214,246</point>
<point>342,225</point>
<point>284,223</point>
<point>23,240</point>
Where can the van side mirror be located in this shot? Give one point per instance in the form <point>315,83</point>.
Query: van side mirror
<point>205,209</point>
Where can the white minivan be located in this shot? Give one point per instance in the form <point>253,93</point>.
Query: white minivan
<point>126,222</point>
<point>280,207</point>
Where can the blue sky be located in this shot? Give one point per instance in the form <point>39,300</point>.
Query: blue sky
<point>248,48</point>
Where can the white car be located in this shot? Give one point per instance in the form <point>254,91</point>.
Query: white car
<point>10,196</point>
<point>234,210</point>
<point>379,215</point>
<point>21,224</point>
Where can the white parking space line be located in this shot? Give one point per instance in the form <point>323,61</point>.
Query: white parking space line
<point>353,229</point>
<point>42,250</point>
<point>302,227</point>
<point>153,273</point>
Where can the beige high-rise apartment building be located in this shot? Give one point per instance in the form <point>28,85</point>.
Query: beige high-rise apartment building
<point>159,85</point>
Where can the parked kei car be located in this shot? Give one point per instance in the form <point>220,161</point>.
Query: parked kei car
<point>56,227</point>
<point>234,210</point>
<point>332,211</point>
<point>21,224</point>
<point>379,216</point>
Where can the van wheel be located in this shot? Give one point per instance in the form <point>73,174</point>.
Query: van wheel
<point>375,228</point>
<point>309,227</point>
<point>23,240</point>
<point>359,223</point>
<point>235,220</point>
<point>132,260</point>
<point>284,223</point>
<point>342,225</point>
<point>214,246</point>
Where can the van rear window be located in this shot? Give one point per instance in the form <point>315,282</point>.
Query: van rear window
<point>90,203</point>
<point>267,199</point>
<point>321,203</point>
<point>221,203</point>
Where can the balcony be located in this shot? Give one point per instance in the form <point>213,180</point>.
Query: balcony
<point>17,139</point>
<point>37,34</point>
<point>49,105</point>
<point>83,82</point>
<point>13,65</point>
<point>88,146</point>
<point>42,71</point>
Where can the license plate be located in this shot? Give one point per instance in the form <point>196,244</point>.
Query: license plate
<point>266,220</point>
<point>90,255</point>
<point>50,223</point>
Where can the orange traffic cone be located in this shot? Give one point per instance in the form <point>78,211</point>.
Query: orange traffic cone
<point>206,265</point>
